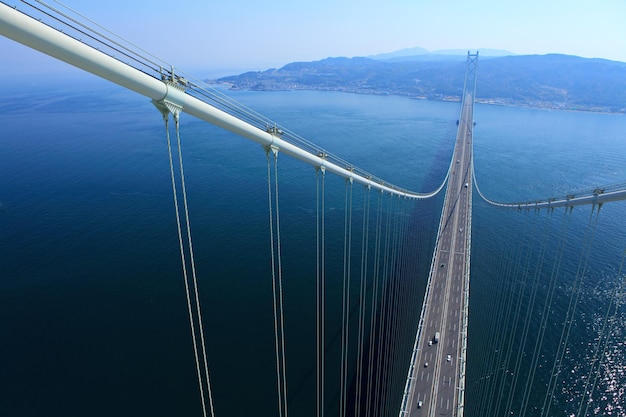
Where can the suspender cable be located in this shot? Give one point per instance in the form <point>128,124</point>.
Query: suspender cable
<point>184,263</point>
<point>502,330</point>
<point>573,304</point>
<point>345,315</point>
<point>280,284</point>
<point>488,359</point>
<point>563,234</point>
<point>617,292</point>
<point>398,362</point>
<point>277,287</point>
<point>274,298</point>
<point>594,370</point>
<point>193,265</point>
<point>345,319</point>
<point>378,398</point>
<point>175,112</point>
<point>362,300</point>
<point>374,309</point>
<point>321,345</point>
<point>538,264</point>
<point>392,312</point>
<point>519,279</point>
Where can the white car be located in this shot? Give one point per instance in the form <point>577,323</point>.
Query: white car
<point>448,358</point>
<point>419,404</point>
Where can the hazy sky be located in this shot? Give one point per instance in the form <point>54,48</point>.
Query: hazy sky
<point>256,34</point>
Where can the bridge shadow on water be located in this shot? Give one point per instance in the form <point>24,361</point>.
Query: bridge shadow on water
<point>397,320</point>
<point>375,383</point>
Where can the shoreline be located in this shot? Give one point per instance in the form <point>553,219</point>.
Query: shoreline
<point>488,101</point>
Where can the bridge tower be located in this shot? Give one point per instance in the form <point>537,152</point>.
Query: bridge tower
<point>471,73</point>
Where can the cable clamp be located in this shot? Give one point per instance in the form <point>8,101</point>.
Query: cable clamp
<point>173,100</point>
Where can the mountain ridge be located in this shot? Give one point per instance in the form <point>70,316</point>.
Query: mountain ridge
<point>418,51</point>
<point>554,81</point>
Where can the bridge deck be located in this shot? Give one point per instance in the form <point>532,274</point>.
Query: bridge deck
<point>436,381</point>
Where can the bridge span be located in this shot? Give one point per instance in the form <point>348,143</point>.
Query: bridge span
<point>436,378</point>
<point>435,382</point>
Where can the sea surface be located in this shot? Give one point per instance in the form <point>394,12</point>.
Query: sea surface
<point>93,317</point>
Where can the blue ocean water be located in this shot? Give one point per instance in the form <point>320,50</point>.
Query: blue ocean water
<point>92,306</point>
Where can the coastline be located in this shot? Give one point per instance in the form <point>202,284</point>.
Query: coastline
<point>504,102</point>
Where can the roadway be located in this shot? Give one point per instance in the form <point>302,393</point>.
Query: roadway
<point>436,379</point>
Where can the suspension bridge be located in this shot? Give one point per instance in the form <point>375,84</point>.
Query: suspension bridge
<point>367,382</point>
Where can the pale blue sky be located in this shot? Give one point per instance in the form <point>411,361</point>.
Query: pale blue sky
<point>251,34</point>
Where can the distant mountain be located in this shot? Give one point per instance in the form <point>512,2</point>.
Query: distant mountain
<point>484,53</point>
<point>549,81</point>
<point>402,53</point>
<point>414,53</point>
